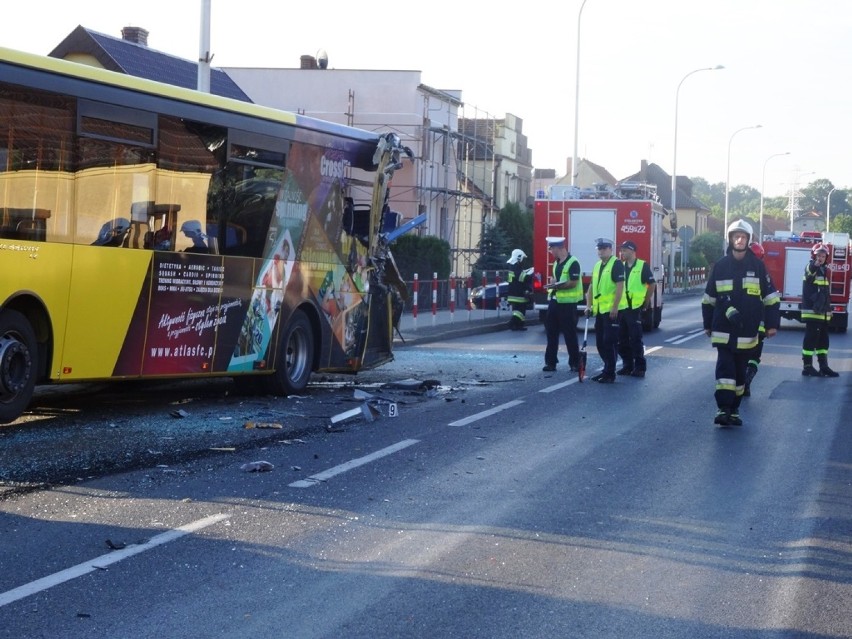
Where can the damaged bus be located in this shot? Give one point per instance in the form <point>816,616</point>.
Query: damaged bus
<point>150,231</point>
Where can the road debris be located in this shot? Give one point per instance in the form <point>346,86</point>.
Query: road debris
<point>413,384</point>
<point>179,413</point>
<point>365,410</point>
<point>262,425</point>
<point>257,467</point>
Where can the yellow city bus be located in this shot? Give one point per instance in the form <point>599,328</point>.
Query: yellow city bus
<point>150,231</point>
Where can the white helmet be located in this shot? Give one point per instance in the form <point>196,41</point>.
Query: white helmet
<point>741,226</point>
<point>517,256</point>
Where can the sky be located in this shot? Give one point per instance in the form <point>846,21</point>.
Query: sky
<point>785,69</point>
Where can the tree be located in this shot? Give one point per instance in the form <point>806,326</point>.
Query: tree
<point>743,201</point>
<point>775,207</point>
<point>841,223</point>
<point>514,229</point>
<point>516,224</point>
<point>708,245</point>
<point>710,195</point>
<point>494,249</point>
<point>814,195</point>
<point>423,255</point>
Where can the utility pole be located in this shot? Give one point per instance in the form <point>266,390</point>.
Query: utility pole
<point>204,55</point>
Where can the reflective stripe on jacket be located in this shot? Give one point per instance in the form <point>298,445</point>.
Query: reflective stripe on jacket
<point>815,280</point>
<point>519,281</point>
<point>634,288</point>
<point>745,287</point>
<point>568,295</point>
<point>603,288</point>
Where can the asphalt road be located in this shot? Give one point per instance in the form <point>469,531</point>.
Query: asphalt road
<point>503,502</point>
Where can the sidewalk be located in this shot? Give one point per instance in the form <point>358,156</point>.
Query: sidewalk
<point>427,327</point>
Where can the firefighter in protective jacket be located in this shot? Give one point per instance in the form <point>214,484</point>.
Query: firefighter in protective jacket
<point>739,296</point>
<point>519,287</point>
<point>816,313</point>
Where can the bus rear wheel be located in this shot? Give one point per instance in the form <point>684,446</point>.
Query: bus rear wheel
<point>294,359</point>
<point>18,354</point>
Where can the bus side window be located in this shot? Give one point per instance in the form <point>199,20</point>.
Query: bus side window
<point>24,224</point>
<point>113,232</point>
<point>162,225</point>
<point>243,194</point>
<point>32,230</point>
<point>192,230</point>
<point>253,211</point>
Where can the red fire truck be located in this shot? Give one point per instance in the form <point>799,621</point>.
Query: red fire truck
<point>629,211</point>
<point>787,254</point>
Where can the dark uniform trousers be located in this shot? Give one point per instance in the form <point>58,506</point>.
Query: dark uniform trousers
<point>561,319</point>
<point>730,367</point>
<point>606,340</point>
<point>631,348</point>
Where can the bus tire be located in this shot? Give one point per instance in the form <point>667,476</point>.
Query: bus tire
<point>18,369</point>
<point>295,357</point>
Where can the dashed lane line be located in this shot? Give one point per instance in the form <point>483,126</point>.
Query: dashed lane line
<point>313,480</point>
<point>103,561</point>
<point>680,339</point>
<point>486,413</point>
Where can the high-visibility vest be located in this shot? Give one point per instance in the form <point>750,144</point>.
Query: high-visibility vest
<point>634,288</point>
<point>569,295</point>
<point>603,288</point>
<point>815,279</point>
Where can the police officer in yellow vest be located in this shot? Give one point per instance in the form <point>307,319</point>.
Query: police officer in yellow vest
<point>564,292</point>
<point>639,285</point>
<point>605,301</point>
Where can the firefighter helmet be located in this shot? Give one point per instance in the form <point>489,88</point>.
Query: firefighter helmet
<point>819,248</point>
<point>757,249</point>
<point>743,227</point>
<point>517,256</point>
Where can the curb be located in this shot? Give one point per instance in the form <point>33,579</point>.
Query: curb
<point>432,334</point>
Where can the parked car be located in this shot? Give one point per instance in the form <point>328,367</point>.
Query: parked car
<point>487,297</point>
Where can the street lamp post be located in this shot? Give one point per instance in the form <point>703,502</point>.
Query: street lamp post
<point>828,209</point>
<point>728,178</point>
<point>674,169</point>
<point>762,189</point>
<point>577,99</point>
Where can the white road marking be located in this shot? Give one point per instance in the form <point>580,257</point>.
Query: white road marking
<point>681,339</point>
<point>676,339</point>
<point>105,560</point>
<point>556,387</point>
<point>313,480</point>
<point>486,413</point>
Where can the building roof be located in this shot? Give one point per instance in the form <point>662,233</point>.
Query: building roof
<point>588,174</point>
<point>600,171</point>
<point>653,174</point>
<point>544,174</point>
<point>137,59</point>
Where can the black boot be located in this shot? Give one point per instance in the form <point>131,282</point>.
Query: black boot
<point>809,370</point>
<point>824,370</point>
<point>751,371</point>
